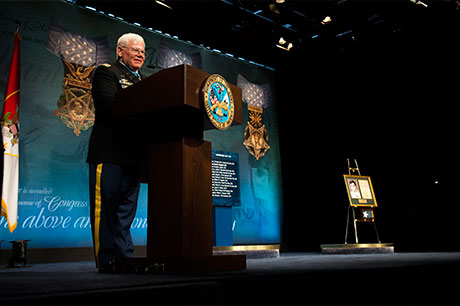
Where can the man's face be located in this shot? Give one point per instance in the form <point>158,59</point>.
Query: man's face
<point>132,55</point>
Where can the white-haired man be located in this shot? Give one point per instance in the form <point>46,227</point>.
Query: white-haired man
<point>114,168</point>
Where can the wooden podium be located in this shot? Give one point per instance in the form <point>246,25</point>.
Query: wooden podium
<point>169,106</point>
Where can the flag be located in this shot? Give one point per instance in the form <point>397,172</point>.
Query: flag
<point>10,135</point>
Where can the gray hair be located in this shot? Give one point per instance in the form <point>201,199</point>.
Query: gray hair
<point>126,38</point>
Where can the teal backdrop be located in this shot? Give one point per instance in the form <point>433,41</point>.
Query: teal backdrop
<point>53,194</point>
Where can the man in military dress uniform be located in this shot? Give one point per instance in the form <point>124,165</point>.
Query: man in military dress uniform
<point>113,163</point>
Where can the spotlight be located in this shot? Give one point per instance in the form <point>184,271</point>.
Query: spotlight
<point>422,3</point>
<point>326,20</point>
<point>418,2</point>
<point>161,2</point>
<point>274,9</point>
<point>283,44</point>
<point>289,45</point>
<point>279,1</point>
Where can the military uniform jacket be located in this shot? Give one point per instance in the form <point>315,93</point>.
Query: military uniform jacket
<point>109,141</point>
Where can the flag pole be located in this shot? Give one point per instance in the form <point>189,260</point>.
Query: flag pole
<point>10,139</point>
<point>18,24</point>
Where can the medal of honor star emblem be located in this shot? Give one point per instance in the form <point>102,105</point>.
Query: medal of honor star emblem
<point>218,101</point>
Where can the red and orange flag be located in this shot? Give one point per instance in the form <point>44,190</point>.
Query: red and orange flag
<point>10,140</point>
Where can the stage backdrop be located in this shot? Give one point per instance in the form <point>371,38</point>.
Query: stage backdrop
<point>60,39</point>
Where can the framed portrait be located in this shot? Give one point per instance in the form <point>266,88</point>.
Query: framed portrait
<point>360,190</point>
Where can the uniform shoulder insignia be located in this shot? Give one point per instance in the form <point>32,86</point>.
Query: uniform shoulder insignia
<point>106,65</point>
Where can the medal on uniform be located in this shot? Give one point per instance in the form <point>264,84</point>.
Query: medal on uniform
<point>125,83</point>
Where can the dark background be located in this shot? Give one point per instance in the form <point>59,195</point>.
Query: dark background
<point>379,84</point>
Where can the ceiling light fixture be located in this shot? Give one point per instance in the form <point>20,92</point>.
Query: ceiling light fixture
<point>282,44</point>
<point>160,2</point>
<point>326,20</point>
<point>274,9</point>
<point>418,2</point>
<point>422,3</point>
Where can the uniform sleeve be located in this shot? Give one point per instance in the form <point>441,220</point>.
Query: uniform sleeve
<point>104,88</point>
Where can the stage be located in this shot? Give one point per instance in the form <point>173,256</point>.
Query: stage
<point>292,278</point>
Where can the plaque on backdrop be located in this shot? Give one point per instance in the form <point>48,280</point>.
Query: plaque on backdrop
<point>225,179</point>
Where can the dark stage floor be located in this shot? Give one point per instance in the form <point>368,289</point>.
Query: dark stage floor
<point>293,278</point>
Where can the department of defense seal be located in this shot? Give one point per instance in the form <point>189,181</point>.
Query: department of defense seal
<point>218,101</point>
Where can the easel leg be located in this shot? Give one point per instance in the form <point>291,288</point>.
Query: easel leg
<point>356,230</point>
<point>346,229</point>
<point>377,234</point>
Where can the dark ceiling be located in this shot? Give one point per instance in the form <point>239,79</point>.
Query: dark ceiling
<point>394,56</point>
<point>250,29</point>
